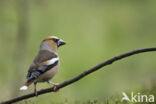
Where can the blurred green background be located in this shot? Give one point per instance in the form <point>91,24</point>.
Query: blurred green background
<point>95,30</point>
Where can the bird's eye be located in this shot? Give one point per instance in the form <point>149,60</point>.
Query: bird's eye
<point>55,40</point>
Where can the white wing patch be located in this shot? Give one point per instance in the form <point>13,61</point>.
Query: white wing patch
<point>52,61</point>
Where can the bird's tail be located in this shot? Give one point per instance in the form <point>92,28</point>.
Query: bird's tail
<point>26,85</point>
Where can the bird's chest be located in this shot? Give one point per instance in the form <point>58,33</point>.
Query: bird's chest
<point>49,74</point>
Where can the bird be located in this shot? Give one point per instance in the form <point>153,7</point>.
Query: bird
<point>46,64</point>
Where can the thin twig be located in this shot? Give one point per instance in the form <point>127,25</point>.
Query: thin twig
<point>80,76</point>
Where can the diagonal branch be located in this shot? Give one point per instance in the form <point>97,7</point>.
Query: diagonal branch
<point>80,76</point>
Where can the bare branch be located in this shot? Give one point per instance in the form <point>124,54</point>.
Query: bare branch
<point>80,76</point>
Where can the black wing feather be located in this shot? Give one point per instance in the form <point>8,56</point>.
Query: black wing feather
<point>35,70</point>
<point>38,71</point>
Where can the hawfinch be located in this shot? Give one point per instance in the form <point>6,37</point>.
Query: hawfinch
<point>45,64</point>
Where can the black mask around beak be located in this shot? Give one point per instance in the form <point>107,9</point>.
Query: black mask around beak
<point>60,43</point>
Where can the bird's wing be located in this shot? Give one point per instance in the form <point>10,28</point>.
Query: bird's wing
<point>44,61</point>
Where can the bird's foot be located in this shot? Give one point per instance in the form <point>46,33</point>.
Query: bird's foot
<point>54,85</point>
<point>35,91</point>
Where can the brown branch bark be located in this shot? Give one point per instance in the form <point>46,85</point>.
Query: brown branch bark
<point>81,75</point>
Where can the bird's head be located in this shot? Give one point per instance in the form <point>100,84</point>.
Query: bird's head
<point>52,43</point>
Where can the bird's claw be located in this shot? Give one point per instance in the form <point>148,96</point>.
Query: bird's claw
<point>36,93</point>
<point>54,86</point>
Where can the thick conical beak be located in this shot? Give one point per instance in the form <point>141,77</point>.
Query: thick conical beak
<point>60,43</point>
